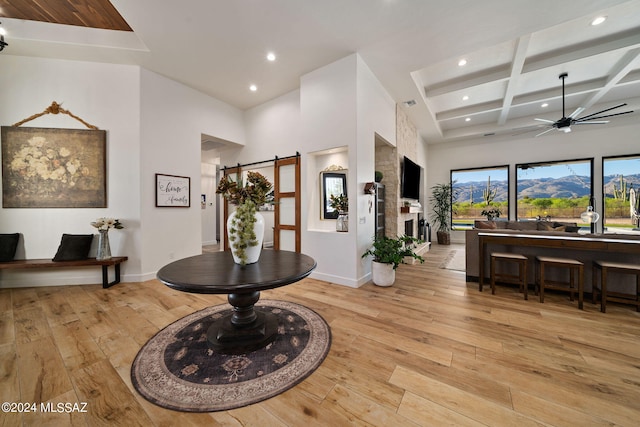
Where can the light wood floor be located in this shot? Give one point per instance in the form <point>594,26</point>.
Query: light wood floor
<point>431,350</point>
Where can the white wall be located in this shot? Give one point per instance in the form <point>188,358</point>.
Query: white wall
<point>172,121</point>
<point>339,105</point>
<point>595,142</point>
<point>153,126</point>
<point>376,113</point>
<point>106,96</point>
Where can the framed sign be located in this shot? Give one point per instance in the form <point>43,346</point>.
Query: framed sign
<point>53,168</point>
<point>173,191</point>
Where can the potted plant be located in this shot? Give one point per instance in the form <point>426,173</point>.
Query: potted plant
<point>388,253</point>
<point>341,204</point>
<point>442,197</point>
<point>245,226</point>
<point>491,213</point>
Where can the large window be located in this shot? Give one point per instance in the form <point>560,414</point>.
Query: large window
<point>481,193</point>
<point>555,191</point>
<point>621,193</point>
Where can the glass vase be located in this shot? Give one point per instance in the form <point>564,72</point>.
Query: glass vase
<point>104,250</point>
<point>342,222</point>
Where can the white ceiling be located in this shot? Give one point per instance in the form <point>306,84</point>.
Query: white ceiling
<point>515,49</point>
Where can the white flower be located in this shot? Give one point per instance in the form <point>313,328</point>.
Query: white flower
<point>107,223</point>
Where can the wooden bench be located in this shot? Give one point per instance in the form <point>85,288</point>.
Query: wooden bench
<point>47,263</point>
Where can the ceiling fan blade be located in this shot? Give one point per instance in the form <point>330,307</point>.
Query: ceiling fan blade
<point>601,122</point>
<point>588,118</point>
<point>542,133</point>
<point>545,120</point>
<point>603,111</point>
<point>579,110</point>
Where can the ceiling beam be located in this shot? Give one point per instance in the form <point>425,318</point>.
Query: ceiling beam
<point>618,72</point>
<point>520,55</point>
<point>623,40</point>
<point>491,75</point>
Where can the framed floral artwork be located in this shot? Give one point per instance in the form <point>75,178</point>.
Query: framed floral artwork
<point>53,168</point>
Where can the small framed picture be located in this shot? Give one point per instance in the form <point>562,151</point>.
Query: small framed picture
<point>173,191</point>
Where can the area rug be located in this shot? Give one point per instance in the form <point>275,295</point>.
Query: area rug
<point>455,260</point>
<point>176,369</point>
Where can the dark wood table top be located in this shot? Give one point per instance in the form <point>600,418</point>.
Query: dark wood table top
<point>217,273</point>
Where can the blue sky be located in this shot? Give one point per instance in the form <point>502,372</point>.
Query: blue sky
<point>613,166</point>
<point>480,175</point>
<point>625,167</point>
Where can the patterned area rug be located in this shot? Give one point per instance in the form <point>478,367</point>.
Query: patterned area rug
<point>176,369</point>
<point>455,260</point>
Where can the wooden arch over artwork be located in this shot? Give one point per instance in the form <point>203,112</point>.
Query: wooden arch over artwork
<point>287,230</point>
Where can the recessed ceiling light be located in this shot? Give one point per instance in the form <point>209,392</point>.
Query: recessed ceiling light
<point>468,119</point>
<point>465,98</point>
<point>545,105</point>
<point>271,56</point>
<point>598,20</point>
<point>253,88</point>
<point>462,62</point>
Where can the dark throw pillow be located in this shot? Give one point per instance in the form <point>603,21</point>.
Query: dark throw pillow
<point>74,247</point>
<point>8,246</point>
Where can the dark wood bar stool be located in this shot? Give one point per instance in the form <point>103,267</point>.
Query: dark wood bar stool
<point>605,267</point>
<point>518,279</point>
<point>576,277</point>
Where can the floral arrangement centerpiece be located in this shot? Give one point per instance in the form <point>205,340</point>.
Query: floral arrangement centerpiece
<point>248,198</point>
<point>339,203</point>
<point>104,225</point>
<point>491,213</point>
<point>107,224</point>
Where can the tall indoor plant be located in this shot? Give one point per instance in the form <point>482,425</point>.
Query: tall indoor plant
<point>245,226</point>
<point>388,253</point>
<point>442,198</point>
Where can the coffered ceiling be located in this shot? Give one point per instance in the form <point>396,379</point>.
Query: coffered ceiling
<point>515,51</point>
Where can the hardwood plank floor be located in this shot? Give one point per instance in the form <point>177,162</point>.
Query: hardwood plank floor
<point>431,350</point>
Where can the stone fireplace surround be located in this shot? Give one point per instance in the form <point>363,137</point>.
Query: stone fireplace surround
<point>387,161</point>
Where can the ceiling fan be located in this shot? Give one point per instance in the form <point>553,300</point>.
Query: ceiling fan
<point>564,124</point>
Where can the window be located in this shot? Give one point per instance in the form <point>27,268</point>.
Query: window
<point>620,190</point>
<point>555,191</point>
<point>481,192</point>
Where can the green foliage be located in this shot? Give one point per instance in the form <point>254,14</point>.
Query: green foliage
<point>241,232</point>
<point>339,203</point>
<point>491,213</point>
<point>621,193</point>
<point>488,194</point>
<point>392,251</point>
<point>235,192</point>
<point>442,197</point>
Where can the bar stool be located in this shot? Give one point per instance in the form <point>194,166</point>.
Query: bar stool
<point>614,267</point>
<point>575,280</point>
<point>518,279</point>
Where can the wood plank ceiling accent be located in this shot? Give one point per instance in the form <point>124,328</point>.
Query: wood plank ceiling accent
<point>84,13</point>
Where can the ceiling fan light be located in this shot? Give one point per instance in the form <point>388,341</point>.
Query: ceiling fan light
<point>566,130</point>
<point>598,20</point>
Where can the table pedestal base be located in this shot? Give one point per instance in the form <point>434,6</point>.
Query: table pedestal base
<point>245,329</point>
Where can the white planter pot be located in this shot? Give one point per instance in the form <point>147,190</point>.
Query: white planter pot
<point>252,252</point>
<point>382,274</point>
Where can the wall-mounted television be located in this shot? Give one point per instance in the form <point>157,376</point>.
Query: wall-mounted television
<point>410,179</point>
